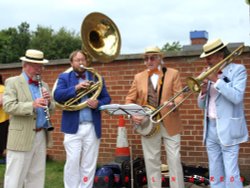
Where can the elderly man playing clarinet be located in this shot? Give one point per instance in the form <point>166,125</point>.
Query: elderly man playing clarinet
<point>28,135</point>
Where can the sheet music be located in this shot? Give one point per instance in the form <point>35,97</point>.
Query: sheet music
<point>124,109</point>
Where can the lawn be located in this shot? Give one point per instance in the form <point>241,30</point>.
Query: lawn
<point>54,174</point>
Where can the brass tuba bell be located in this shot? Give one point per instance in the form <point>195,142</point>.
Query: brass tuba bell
<point>101,41</point>
<point>100,37</point>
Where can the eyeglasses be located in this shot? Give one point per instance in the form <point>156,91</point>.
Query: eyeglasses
<point>79,60</point>
<point>151,58</point>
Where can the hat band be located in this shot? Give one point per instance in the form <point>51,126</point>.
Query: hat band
<point>33,58</point>
<point>213,49</point>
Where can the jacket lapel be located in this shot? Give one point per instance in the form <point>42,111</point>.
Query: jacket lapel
<point>73,80</point>
<point>24,86</point>
<point>144,85</point>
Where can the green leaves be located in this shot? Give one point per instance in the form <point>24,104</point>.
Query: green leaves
<point>55,45</point>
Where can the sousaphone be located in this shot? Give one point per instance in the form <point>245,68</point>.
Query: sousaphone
<point>100,41</point>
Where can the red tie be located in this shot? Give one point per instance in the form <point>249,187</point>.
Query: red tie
<point>33,82</point>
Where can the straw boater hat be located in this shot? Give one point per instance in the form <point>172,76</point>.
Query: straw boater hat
<point>34,56</point>
<point>153,50</point>
<point>211,47</point>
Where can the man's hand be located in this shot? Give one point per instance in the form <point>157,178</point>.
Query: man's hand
<point>40,103</point>
<point>204,87</point>
<point>137,120</point>
<point>92,103</point>
<point>83,85</point>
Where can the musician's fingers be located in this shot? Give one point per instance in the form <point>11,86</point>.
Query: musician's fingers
<point>40,103</point>
<point>92,103</point>
<point>170,104</point>
<point>137,119</point>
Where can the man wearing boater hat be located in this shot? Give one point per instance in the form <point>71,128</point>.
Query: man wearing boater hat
<point>222,97</point>
<point>154,86</point>
<point>28,136</point>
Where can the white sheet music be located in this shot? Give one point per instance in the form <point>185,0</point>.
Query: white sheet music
<point>124,109</point>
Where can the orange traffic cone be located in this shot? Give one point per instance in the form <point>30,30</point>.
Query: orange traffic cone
<point>122,152</point>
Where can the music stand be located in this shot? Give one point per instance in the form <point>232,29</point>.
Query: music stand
<point>124,109</point>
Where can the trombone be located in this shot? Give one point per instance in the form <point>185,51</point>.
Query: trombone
<point>193,85</point>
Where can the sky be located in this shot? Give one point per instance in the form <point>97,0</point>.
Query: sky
<point>141,23</point>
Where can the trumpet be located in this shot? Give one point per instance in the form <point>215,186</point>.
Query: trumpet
<point>193,86</point>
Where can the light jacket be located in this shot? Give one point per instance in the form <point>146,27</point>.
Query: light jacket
<point>17,101</point>
<point>230,122</point>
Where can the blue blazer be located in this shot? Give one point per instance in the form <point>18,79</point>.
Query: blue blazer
<point>231,122</point>
<point>65,89</point>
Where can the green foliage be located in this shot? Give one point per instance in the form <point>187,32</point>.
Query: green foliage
<point>13,42</point>
<point>174,47</point>
<point>55,45</point>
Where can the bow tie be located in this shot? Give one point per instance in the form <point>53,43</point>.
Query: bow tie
<point>82,76</point>
<point>33,82</point>
<point>155,71</point>
<point>219,72</point>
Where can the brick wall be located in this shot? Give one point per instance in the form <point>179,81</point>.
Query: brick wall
<point>118,77</point>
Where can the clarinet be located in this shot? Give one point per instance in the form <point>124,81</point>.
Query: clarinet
<point>46,109</point>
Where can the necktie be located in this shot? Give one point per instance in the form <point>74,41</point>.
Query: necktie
<point>155,71</point>
<point>33,82</point>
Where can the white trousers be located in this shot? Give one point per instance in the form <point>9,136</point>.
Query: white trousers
<point>82,152</point>
<point>152,156</point>
<point>27,169</point>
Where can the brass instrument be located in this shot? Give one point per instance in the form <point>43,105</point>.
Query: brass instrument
<point>71,104</point>
<point>46,109</point>
<point>100,37</point>
<point>101,41</point>
<point>194,85</point>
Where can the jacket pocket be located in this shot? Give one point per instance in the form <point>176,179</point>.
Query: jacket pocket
<point>237,127</point>
<point>17,124</point>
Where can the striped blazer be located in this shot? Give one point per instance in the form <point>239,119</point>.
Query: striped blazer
<point>17,101</point>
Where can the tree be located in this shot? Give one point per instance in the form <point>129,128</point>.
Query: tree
<point>174,47</point>
<point>55,45</point>
<point>13,43</point>
<point>64,42</point>
<point>42,39</point>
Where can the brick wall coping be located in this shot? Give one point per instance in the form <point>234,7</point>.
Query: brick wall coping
<point>190,51</point>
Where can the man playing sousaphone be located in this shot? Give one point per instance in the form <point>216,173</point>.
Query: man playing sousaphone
<point>154,86</point>
<point>81,127</point>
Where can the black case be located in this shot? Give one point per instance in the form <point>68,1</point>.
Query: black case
<point>139,173</point>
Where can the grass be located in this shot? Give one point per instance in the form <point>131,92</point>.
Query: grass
<point>54,174</point>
